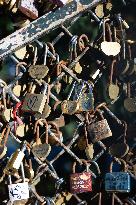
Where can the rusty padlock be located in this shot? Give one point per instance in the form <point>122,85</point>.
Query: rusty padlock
<point>99,129</point>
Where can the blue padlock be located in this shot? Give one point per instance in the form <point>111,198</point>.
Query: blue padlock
<point>117,181</point>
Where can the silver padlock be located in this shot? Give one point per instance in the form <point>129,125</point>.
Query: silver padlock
<point>18,192</point>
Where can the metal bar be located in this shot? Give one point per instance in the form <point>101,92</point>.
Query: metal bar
<point>43,25</point>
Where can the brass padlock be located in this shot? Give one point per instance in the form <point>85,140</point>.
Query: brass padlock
<point>39,71</point>
<point>15,160</point>
<point>34,103</point>
<point>71,106</point>
<point>39,149</point>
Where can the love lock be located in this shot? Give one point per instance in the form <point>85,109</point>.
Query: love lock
<point>117,181</point>
<point>109,48</point>
<point>39,149</point>
<point>19,192</point>
<point>80,182</point>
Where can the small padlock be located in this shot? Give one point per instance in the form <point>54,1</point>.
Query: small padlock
<point>86,100</point>
<point>71,106</point>
<point>80,182</point>
<point>113,88</point>
<point>41,151</point>
<point>28,8</point>
<point>39,71</point>
<point>117,181</point>
<point>99,130</point>
<point>15,160</point>
<point>18,192</point>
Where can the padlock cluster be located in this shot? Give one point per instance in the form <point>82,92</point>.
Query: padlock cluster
<point>61,141</point>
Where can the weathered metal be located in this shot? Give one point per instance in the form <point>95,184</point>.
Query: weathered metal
<point>43,25</point>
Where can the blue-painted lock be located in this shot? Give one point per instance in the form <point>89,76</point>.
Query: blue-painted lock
<point>117,181</point>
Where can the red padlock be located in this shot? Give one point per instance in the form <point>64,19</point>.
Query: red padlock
<point>28,8</point>
<point>80,182</point>
<point>17,120</point>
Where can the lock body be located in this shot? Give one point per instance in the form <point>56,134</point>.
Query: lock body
<point>80,182</point>
<point>34,103</point>
<point>28,8</point>
<point>99,130</point>
<point>14,162</point>
<point>117,182</point>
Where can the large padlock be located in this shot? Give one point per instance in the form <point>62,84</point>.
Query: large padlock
<point>99,129</point>
<point>34,103</point>
<point>80,182</point>
<point>18,191</point>
<point>117,181</point>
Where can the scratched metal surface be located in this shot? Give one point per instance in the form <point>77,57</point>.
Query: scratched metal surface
<point>43,25</point>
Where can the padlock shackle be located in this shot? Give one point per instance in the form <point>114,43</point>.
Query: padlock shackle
<point>18,66</point>
<point>83,162</point>
<point>37,124</point>
<point>97,111</point>
<point>122,162</point>
<point>55,126</point>
<point>52,49</point>
<point>112,71</point>
<point>104,29</point>
<point>81,41</point>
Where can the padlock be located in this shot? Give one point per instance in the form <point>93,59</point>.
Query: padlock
<point>28,8</point>
<point>130,102</point>
<point>120,149</point>
<point>6,113</point>
<point>99,129</point>
<point>39,149</point>
<point>125,66</point>
<point>34,103</point>
<point>109,48</point>
<point>80,182</point>
<point>15,160</point>
<point>47,109</point>
<point>117,181</point>
<point>19,192</point>
<point>113,88</point>
<point>71,106</point>
<point>56,132</point>
<point>17,119</point>
<point>3,141</point>
<point>86,100</point>
<point>39,71</point>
